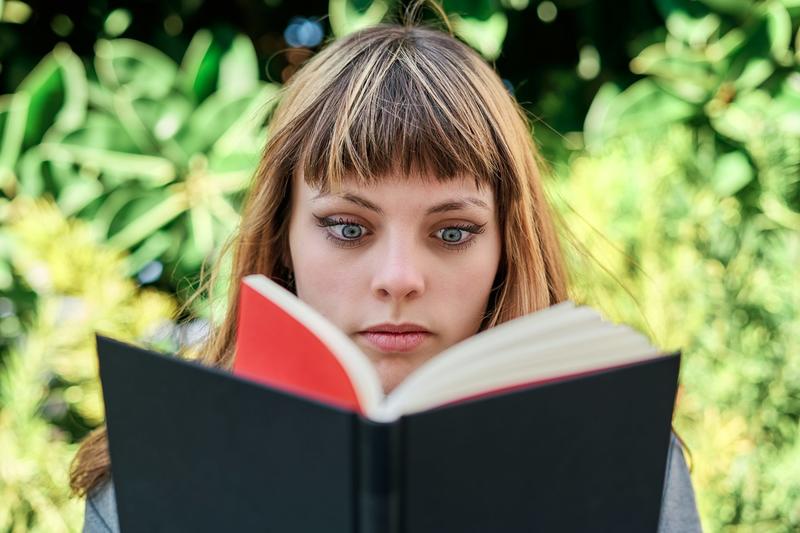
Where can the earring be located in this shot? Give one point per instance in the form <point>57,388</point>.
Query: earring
<point>290,278</point>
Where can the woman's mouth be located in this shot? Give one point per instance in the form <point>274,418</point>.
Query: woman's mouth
<point>391,342</point>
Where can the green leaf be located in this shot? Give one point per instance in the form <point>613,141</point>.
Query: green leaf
<point>199,68</point>
<point>152,170</point>
<point>246,135</point>
<point>485,36</point>
<point>31,178</point>
<point>140,69</point>
<point>744,118</point>
<point>695,31</point>
<point>13,109</point>
<point>211,120</point>
<point>101,131</point>
<point>151,249</point>
<point>144,216</point>
<point>110,208</point>
<point>345,17</point>
<point>58,93</point>
<point>598,123</point>
<point>202,228</point>
<point>77,194</point>
<point>238,69</point>
<point>731,173</point>
<point>779,29</point>
<point>646,106</point>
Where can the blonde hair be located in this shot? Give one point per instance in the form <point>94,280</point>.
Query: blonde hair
<point>397,99</point>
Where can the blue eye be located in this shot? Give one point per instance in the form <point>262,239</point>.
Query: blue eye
<point>351,231</point>
<point>451,235</point>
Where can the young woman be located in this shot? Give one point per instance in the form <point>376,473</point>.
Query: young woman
<point>398,194</point>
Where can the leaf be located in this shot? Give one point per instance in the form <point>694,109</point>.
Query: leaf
<point>238,69</point>
<point>598,123</point>
<point>31,179</point>
<point>151,249</point>
<point>731,173</point>
<point>199,68</point>
<point>58,93</point>
<point>346,18</point>
<point>152,170</point>
<point>695,31</point>
<point>14,109</point>
<point>140,69</point>
<point>245,135</point>
<point>645,106</point>
<point>744,118</point>
<point>77,194</point>
<point>485,36</point>
<point>145,216</point>
<point>211,120</point>
<point>779,29</point>
<point>202,228</point>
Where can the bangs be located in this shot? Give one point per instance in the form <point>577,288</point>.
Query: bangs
<point>399,105</point>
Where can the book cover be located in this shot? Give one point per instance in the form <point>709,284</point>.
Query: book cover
<point>278,446</point>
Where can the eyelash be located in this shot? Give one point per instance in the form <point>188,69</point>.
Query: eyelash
<point>325,222</point>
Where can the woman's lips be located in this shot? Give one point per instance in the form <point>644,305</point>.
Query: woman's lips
<point>395,342</point>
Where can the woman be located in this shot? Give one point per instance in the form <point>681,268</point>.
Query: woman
<point>398,194</point>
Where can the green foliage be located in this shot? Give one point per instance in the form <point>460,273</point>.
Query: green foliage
<point>482,24</point>
<point>715,275</point>
<point>49,390</point>
<point>155,155</point>
<point>703,226</point>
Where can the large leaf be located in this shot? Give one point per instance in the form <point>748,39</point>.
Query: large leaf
<point>140,69</point>
<point>151,170</point>
<point>238,69</point>
<point>646,106</point>
<point>143,216</point>
<point>78,193</point>
<point>58,94</point>
<point>732,173</point>
<point>346,16</point>
<point>485,36</point>
<point>13,112</point>
<point>200,66</point>
<point>211,120</point>
<point>779,29</point>
<point>246,135</point>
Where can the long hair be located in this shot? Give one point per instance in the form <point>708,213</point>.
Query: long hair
<point>392,99</point>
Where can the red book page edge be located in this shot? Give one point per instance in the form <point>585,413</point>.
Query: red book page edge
<point>275,349</point>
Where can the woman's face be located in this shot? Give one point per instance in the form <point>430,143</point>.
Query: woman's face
<point>407,252</point>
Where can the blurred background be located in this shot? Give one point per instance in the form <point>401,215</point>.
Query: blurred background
<point>130,129</point>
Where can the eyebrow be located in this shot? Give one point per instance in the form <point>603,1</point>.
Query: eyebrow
<point>454,204</point>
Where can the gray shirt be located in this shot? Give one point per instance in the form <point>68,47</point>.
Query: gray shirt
<point>678,509</point>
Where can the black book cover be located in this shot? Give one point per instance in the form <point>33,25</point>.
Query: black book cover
<point>199,449</point>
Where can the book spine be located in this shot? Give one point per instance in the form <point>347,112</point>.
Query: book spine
<point>378,478</point>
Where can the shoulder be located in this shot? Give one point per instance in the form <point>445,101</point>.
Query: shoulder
<point>101,510</point>
<point>678,507</point>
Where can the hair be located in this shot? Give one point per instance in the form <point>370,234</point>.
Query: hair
<point>392,99</point>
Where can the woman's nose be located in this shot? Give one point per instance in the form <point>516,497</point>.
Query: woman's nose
<point>399,272</point>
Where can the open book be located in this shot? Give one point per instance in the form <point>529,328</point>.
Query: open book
<point>555,421</point>
<point>285,343</point>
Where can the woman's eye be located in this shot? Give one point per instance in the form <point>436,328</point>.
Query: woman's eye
<point>350,231</point>
<point>451,235</point>
<point>342,231</point>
